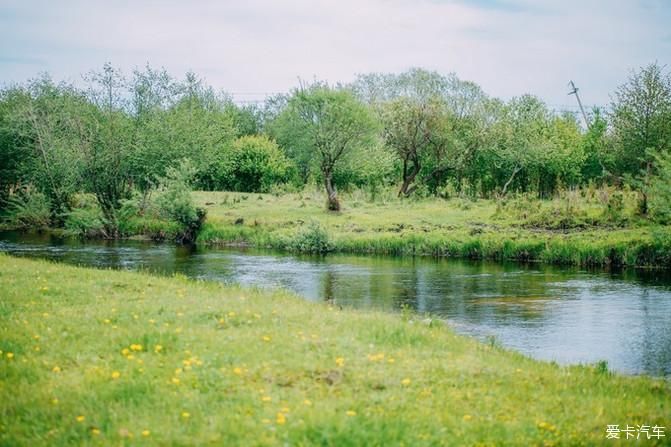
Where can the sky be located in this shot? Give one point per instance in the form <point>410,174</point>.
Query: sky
<point>253,48</point>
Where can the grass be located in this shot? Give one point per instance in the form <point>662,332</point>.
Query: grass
<point>99,357</point>
<point>571,229</point>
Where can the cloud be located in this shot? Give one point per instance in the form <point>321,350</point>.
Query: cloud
<point>510,47</point>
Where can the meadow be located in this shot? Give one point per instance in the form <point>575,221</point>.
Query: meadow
<point>100,357</point>
<point>581,227</point>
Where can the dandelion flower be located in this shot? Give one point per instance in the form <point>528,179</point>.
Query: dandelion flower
<point>146,432</point>
<point>56,369</point>
<point>405,381</point>
<point>175,380</point>
<point>307,402</point>
<point>125,351</point>
<point>158,348</point>
<point>186,414</point>
<point>266,338</point>
<point>281,419</point>
<point>237,371</point>
<point>340,361</point>
<point>10,355</point>
<point>350,413</point>
<point>80,418</point>
<point>266,398</point>
<point>116,374</point>
<point>468,417</point>
<point>95,431</point>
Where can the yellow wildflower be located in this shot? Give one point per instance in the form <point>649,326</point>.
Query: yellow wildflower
<point>231,314</point>
<point>468,417</point>
<point>340,361</point>
<point>266,398</point>
<point>281,419</point>
<point>175,380</point>
<point>95,431</point>
<point>266,338</point>
<point>350,413</point>
<point>186,414</point>
<point>125,351</point>
<point>56,369</point>
<point>10,355</point>
<point>80,418</point>
<point>237,371</point>
<point>158,348</point>
<point>307,402</point>
<point>146,432</point>
<point>405,381</point>
<point>116,374</point>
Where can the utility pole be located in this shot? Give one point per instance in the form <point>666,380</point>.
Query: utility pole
<point>574,91</point>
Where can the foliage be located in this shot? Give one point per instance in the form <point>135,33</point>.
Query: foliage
<point>311,239</point>
<point>660,189</point>
<point>255,164</point>
<point>85,217</point>
<point>324,125</point>
<point>174,200</point>
<point>27,208</point>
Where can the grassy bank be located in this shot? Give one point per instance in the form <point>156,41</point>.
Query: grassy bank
<point>579,230</point>
<point>107,358</point>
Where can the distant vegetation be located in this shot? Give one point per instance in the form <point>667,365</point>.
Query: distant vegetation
<point>119,156</point>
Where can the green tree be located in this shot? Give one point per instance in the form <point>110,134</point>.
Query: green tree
<point>256,163</point>
<point>325,125</point>
<point>641,120</point>
<point>107,144</point>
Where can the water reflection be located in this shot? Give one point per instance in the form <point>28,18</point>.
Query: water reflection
<point>568,315</point>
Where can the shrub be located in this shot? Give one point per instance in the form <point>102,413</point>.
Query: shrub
<point>28,208</point>
<point>175,202</point>
<point>311,239</point>
<point>257,164</point>
<point>85,218</point>
<point>660,190</point>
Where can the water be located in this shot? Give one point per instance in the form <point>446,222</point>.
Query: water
<point>568,315</point>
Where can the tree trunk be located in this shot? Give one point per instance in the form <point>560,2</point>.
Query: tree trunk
<point>332,202</point>
<point>510,180</point>
<point>409,177</point>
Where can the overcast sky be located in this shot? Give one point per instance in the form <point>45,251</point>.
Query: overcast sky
<point>254,47</point>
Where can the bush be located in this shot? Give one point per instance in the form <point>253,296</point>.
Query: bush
<point>85,218</point>
<point>28,209</point>
<point>257,164</point>
<point>311,239</point>
<point>175,203</point>
<point>660,190</point>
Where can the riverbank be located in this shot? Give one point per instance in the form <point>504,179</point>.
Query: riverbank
<point>566,231</point>
<point>94,356</point>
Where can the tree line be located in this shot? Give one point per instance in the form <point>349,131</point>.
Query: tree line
<point>423,132</point>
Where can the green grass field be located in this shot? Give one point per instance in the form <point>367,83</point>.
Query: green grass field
<point>97,357</point>
<point>574,230</point>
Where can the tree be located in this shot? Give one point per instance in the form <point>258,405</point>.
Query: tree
<point>412,129</point>
<point>256,163</point>
<point>641,119</point>
<point>325,125</point>
<point>48,122</point>
<point>106,144</point>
